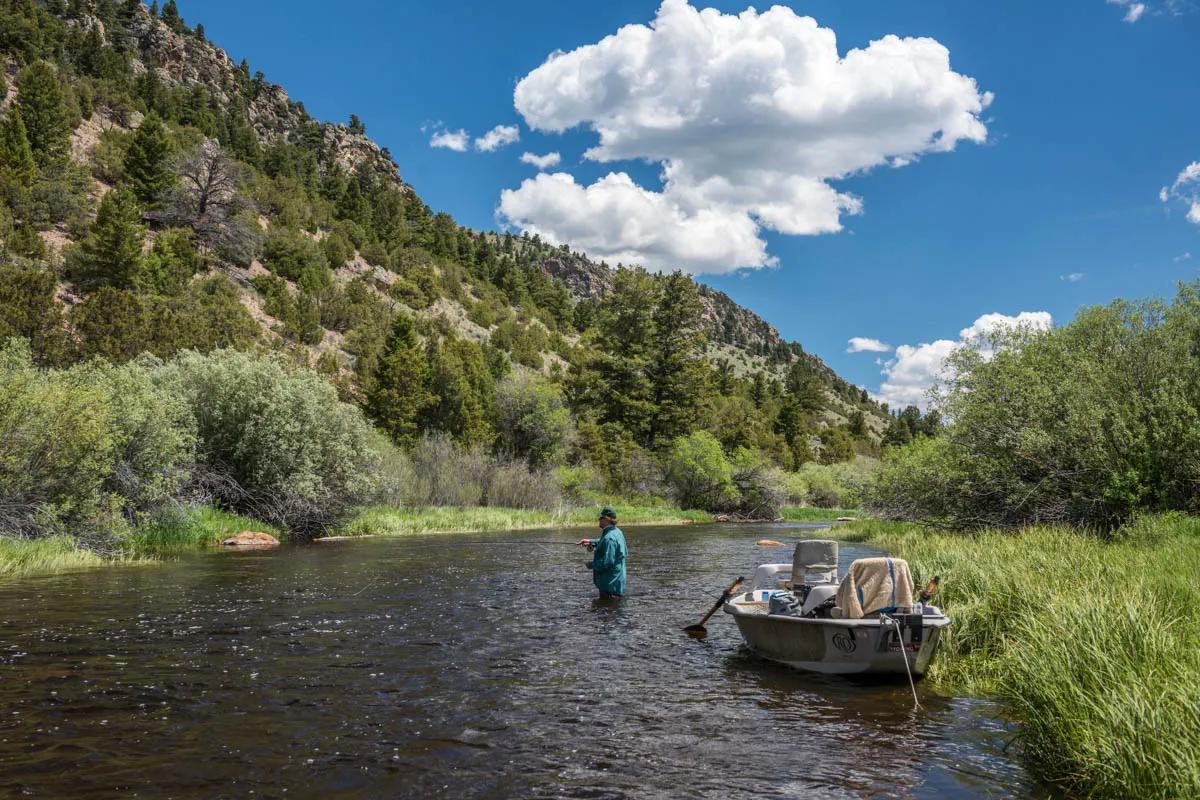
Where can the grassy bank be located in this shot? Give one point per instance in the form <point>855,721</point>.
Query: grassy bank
<point>392,521</point>
<point>813,514</point>
<point>20,558</point>
<point>1094,646</point>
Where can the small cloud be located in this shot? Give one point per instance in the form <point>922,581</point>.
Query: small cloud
<point>1186,187</point>
<point>1071,277</point>
<point>451,140</point>
<point>1133,11</point>
<point>498,137</point>
<point>541,162</point>
<point>1182,257</point>
<point>861,344</point>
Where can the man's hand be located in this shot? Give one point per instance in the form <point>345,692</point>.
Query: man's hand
<point>585,543</point>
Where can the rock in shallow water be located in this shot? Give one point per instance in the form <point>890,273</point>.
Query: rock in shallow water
<point>251,539</point>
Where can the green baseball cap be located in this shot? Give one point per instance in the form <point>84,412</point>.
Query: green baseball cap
<point>607,512</point>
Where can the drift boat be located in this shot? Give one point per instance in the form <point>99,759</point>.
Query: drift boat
<point>795,614</point>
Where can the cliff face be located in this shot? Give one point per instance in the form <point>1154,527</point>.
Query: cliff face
<point>188,61</point>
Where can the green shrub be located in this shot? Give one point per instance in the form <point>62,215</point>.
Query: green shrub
<point>1085,424</point>
<point>759,485</point>
<point>532,421</point>
<point>291,255</point>
<point>79,446</point>
<point>275,441</point>
<point>698,472</point>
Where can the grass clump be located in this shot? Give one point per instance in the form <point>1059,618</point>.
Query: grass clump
<point>191,528</point>
<point>1093,644</point>
<point>51,555</point>
<point>810,514</point>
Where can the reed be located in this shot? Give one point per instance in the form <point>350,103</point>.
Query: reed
<point>1094,645</point>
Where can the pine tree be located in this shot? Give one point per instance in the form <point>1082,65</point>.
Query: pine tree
<point>43,108</point>
<point>154,8</point>
<point>678,373</point>
<point>111,255</point>
<point>170,15</point>
<point>459,377</point>
<point>399,392</point>
<point>16,156</point>
<point>356,125</point>
<point>146,170</point>
<point>614,382</point>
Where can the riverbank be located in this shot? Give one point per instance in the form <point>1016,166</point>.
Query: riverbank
<point>813,514</point>
<point>1094,646</point>
<point>392,521</point>
<point>203,527</point>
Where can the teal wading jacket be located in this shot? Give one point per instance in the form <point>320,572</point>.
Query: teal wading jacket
<point>608,561</point>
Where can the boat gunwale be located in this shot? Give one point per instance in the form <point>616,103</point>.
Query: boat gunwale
<point>933,621</point>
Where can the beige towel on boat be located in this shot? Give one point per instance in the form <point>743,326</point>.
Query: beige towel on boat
<point>871,584</point>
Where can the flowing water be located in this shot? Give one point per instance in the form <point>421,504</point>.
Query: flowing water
<point>452,666</point>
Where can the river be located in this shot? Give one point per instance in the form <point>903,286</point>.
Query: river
<point>473,665</point>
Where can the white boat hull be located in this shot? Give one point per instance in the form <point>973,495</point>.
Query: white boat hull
<point>838,647</point>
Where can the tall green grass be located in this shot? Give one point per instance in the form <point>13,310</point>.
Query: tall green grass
<point>191,528</point>
<point>21,558</point>
<point>813,514</point>
<point>393,521</point>
<point>1093,645</point>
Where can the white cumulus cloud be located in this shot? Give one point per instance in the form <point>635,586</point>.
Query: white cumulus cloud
<point>750,117</point>
<point>913,371</point>
<point>451,140</point>
<point>1186,189</point>
<point>1072,277</point>
<point>541,162</point>
<point>861,344</point>
<point>497,137</point>
<point>629,224</point>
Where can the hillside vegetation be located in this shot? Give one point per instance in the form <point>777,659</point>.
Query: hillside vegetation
<point>309,336</point>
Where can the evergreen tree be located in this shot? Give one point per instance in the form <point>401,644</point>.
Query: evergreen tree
<point>170,15</point>
<point>679,376</point>
<point>357,126</point>
<point>805,387</point>
<point>146,169</point>
<point>459,377</point>
<point>43,109</point>
<point>16,156</point>
<point>154,8</point>
<point>200,32</point>
<point>614,381</point>
<point>399,392</point>
<point>111,255</point>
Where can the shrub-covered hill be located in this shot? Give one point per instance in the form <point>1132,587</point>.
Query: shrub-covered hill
<point>158,196</point>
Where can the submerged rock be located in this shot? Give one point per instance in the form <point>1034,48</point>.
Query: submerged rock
<point>251,539</point>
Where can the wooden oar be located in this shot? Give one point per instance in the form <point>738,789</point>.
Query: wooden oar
<point>698,630</point>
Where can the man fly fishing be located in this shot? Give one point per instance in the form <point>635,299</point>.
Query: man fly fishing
<point>608,556</point>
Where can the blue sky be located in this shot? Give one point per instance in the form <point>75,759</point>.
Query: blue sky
<point>1055,207</point>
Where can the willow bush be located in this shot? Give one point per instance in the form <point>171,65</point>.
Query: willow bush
<point>1084,424</point>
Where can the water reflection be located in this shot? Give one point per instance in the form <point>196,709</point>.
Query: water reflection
<point>437,667</point>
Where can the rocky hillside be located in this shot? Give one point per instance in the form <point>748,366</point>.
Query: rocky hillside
<point>330,199</point>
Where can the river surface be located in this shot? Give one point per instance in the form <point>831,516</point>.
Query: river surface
<point>474,665</point>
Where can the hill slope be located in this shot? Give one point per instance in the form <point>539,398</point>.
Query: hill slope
<point>338,243</point>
